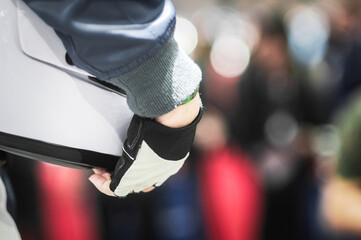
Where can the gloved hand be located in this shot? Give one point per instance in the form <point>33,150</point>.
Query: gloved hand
<point>152,153</point>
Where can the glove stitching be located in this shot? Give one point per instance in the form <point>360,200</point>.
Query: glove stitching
<point>131,146</point>
<point>127,155</point>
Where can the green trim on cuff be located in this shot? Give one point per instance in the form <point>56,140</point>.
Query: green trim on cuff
<point>191,97</point>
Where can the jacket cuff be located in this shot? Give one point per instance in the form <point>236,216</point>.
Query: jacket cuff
<point>161,83</point>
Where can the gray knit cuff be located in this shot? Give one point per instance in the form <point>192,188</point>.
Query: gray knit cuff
<point>161,83</point>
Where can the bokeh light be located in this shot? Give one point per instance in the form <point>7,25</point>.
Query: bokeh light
<point>215,21</point>
<point>281,128</point>
<point>186,35</point>
<point>327,141</point>
<point>230,56</point>
<point>308,33</point>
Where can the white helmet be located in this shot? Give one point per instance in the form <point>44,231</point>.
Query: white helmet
<point>50,110</point>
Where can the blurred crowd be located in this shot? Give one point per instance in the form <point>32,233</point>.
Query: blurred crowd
<point>276,77</point>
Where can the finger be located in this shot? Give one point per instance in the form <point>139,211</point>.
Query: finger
<point>148,189</point>
<point>102,184</point>
<point>102,172</point>
<point>106,175</point>
<point>99,171</point>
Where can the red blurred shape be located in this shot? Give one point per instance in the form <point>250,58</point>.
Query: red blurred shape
<point>66,211</point>
<point>231,195</point>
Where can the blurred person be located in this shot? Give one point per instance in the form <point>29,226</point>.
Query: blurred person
<point>231,191</point>
<point>344,52</point>
<point>342,193</point>
<point>132,47</point>
<point>343,78</point>
<point>276,105</point>
<point>270,84</point>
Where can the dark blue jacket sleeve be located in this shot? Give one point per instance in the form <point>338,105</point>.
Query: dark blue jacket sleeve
<point>108,37</point>
<point>127,43</point>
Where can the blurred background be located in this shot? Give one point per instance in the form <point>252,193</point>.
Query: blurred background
<point>275,76</point>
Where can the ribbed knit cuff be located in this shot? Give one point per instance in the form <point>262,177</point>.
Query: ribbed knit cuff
<point>161,83</point>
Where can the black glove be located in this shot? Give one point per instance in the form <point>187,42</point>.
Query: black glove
<point>152,153</point>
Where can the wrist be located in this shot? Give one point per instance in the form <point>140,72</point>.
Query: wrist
<point>183,115</point>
